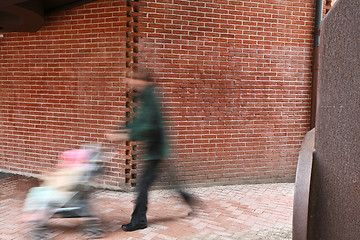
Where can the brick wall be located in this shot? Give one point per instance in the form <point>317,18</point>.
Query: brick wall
<point>235,79</point>
<point>235,76</point>
<point>60,87</point>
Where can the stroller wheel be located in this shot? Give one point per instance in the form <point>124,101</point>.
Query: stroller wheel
<point>40,232</point>
<point>93,229</point>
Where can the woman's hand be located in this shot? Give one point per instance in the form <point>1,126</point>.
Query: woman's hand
<point>118,137</point>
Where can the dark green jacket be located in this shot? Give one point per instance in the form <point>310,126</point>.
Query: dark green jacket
<point>147,126</point>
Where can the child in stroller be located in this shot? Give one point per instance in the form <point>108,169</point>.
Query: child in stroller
<point>65,192</point>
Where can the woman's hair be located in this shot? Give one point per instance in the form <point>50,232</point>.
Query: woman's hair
<point>140,74</point>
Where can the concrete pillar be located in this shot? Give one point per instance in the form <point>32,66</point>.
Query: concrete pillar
<point>334,212</point>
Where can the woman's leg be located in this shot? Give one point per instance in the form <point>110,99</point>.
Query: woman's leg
<point>138,218</point>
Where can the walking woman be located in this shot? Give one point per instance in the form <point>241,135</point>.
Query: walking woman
<point>147,126</point>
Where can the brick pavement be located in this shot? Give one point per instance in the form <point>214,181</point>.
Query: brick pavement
<point>246,212</point>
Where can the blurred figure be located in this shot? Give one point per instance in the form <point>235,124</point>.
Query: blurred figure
<point>65,193</point>
<point>57,186</point>
<point>147,126</point>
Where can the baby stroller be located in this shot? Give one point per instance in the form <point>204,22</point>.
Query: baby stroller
<point>66,193</point>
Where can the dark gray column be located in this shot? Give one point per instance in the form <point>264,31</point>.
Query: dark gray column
<point>334,212</point>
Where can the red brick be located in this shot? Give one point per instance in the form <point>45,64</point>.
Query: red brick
<point>236,76</point>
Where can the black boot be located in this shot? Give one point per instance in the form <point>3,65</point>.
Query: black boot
<point>138,220</point>
<point>191,200</point>
<point>133,226</point>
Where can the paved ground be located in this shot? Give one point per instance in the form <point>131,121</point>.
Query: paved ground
<point>246,212</point>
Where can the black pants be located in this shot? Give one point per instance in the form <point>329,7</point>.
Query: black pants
<point>147,179</point>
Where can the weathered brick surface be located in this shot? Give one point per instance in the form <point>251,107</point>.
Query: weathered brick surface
<point>235,77</point>
<point>60,87</point>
